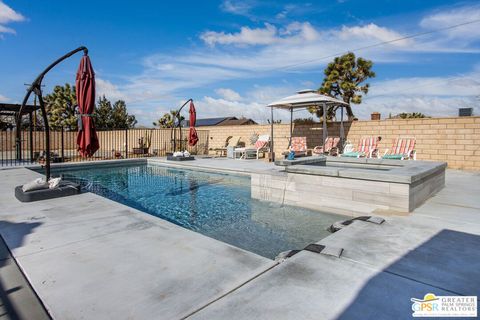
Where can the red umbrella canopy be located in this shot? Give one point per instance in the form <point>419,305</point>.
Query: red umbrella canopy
<point>87,139</point>
<point>192,134</point>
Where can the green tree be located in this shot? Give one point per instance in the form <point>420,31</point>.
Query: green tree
<point>409,115</point>
<point>344,80</point>
<point>108,116</point>
<point>61,107</point>
<point>308,120</point>
<point>168,119</point>
<point>103,113</point>
<point>121,119</point>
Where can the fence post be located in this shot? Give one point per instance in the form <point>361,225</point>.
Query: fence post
<point>63,144</point>
<point>31,137</point>
<point>126,143</point>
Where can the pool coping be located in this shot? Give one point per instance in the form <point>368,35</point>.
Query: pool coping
<point>403,171</point>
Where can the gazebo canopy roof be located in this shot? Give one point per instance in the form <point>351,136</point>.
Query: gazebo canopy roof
<point>10,109</point>
<point>305,99</point>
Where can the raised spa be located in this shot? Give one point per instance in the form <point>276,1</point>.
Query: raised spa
<point>358,185</point>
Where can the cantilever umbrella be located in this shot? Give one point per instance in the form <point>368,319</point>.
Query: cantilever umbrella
<point>87,139</point>
<point>192,134</point>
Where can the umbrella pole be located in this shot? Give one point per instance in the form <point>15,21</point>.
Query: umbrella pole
<point>179,125</point>
<point>291,127</point>
<point>325,133</point>
<point>342,129</point>
<point>47,137</point>
<point>35,87</point>
<point>271,135</point>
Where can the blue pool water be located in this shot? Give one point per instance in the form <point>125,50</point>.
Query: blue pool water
<point>216,205</point>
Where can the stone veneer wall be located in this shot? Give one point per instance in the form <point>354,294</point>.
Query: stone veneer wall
<point>455,140</point>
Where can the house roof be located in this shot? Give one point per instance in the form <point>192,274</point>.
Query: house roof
<point>208,121</point>
<point>220,121</point>
<point>236,122</point>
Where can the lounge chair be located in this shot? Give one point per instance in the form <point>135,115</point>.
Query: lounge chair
<point>299,146</point>
<point>261,145</point>
<point>402,148</point>
<point>330,147</point>
<point>367,147</point>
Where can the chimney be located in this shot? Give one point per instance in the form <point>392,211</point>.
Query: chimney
<point>375,116</point>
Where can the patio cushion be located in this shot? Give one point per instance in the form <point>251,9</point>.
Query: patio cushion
<point>353,154</point>
<point>299,144</point>
<point>260,144</point>
<point>393,156</point>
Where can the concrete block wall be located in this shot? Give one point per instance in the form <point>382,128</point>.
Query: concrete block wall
<point>455,140</point>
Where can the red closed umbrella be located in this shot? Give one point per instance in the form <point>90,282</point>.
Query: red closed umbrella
<point>87,139</point>
<point>192,134</point>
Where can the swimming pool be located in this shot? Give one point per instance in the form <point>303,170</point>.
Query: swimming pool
<point>214,204</point>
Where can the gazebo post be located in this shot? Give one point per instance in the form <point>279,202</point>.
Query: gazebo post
<point>291,127</point>
<point>325,133</point>
<point>271,135</point>
<point>342,130</point>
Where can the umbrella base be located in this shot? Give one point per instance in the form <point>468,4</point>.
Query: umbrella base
<point>66,188</point>
<point>172,158</point>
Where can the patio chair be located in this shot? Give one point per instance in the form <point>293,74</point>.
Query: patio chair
<point>330,147</point>
<point>367,147</point>
<point>231,141</point>
<point>402,148</point>
<point>299,146</point>
<point>261,145</point>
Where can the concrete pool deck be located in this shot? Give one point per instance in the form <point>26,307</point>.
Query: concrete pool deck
<point>89,257</point>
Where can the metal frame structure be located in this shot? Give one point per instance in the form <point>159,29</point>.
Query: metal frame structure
<point>178,124</point>
<point>320,101</point>
<point>36,88</point>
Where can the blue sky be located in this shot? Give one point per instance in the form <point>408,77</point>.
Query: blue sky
<point>233,57</point>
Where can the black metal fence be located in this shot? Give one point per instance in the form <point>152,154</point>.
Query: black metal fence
<point>114,144</point>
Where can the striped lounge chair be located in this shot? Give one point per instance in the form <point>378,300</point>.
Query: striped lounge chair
<point>261,145</point>
<point>367,147</point>
<point>330,147</point>
<point>402,148</point>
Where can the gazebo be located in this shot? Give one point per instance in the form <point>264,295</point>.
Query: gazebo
<point>310,99</point>
<point>13,111</point>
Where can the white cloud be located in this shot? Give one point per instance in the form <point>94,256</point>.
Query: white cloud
<point>4,99</point>
<point>4,29</point>
<point>108,89</point>
<point>434,96</point>
<point>295,32</point>
<point>428,105</point>
<point>455,16</point>
<point>8,15</point>
<point>246,36</point>
<point>228,94</point>
<point>236,7</point>
<point>372,32</point>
